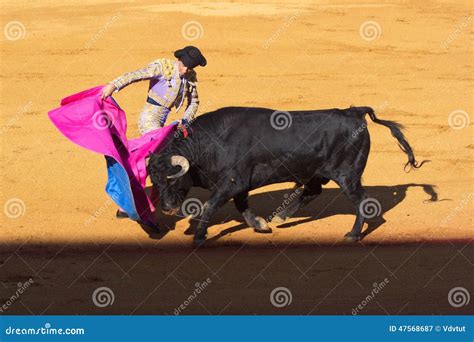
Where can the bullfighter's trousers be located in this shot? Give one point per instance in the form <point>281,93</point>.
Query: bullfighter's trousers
<point>152,116</point>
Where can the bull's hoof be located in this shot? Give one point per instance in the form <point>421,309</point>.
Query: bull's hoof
<point>149,225</point>
<point>278,219</point>
<point>198,242</point>
<point>261,226</point>
<point>263,231</point>
<point>350,237</point>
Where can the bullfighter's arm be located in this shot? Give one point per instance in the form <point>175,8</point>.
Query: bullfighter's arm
<point>192,104</point>
<point>151,70</point>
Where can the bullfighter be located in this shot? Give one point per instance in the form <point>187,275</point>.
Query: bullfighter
<point>171,81</point>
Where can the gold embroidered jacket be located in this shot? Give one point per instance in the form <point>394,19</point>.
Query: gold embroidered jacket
<point>166,86</point>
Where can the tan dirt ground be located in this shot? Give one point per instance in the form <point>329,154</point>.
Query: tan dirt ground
<point>287,56</point>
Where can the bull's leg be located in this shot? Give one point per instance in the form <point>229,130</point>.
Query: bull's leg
<point>208,210</point>
<point>258,223</point>
<point>310,192</point>
<point>356,193</point>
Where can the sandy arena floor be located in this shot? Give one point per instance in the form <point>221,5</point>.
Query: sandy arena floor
<point>412,62</point>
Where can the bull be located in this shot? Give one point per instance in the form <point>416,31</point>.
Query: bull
<point>236,149</point>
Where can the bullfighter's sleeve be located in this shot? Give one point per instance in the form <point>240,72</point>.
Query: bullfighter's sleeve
<point>151,70</point>
<point>192,104</point>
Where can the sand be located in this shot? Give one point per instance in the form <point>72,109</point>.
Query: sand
<point>411,62</point>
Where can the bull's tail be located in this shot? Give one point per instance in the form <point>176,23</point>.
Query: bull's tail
<point>396,130</point>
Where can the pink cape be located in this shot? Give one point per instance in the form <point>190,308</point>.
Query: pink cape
<point>101,126</point>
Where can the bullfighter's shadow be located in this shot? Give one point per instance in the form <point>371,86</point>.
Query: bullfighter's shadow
<point>331,202</point>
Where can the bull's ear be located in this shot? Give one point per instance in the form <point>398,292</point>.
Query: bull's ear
<point>179,161</point>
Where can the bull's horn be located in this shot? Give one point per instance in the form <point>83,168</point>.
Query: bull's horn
<point>179,161</point>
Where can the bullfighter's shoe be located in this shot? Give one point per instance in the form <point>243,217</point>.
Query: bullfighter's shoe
<point>121,214</point>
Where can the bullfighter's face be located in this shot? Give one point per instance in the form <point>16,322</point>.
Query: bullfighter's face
<point>182,69</point>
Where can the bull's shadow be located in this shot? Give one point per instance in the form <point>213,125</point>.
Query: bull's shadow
<point>331,202</point>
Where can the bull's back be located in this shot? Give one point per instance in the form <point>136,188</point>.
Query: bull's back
<point>277,146</point>
<point>280,131</point>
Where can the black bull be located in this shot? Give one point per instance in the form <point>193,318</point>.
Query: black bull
<point>236,149</point>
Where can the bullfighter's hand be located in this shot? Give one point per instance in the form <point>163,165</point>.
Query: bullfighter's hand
<point>107,91</point>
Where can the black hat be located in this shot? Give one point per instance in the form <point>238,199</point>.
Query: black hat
<point>191,57</point>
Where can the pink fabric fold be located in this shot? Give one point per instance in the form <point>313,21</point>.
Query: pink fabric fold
<point>100,126</point>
